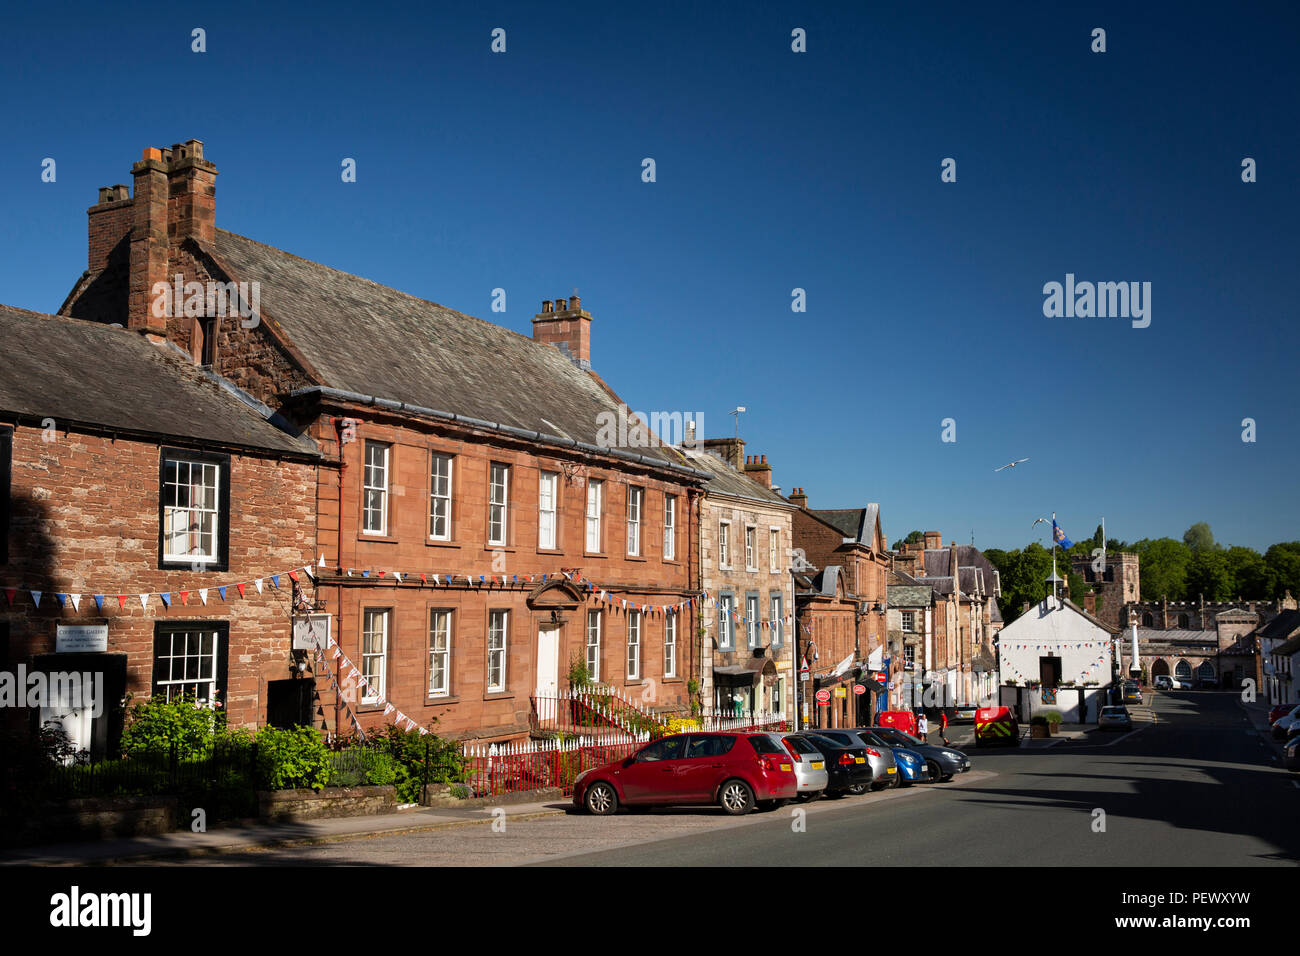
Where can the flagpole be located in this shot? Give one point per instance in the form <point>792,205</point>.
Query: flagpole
<point>1055,590</point>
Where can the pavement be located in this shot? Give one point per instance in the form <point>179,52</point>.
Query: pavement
<point>230,839</point>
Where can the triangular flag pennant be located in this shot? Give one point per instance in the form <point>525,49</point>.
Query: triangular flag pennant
<point>275,581</point>
<point>241,585</point>
<point>61,598</point>
<point>166,598</point>
<point>99,602</point>
<point>121,602</point>
<point>397,576</point>
<point>144,601</point>
<point>258,583</point>
<point>36,596</point>
<point>382,573</point>
<point>435,579</point>
<point>222,591</point>
<point>76,601</point>
<point>293,575</point>
<point>185,597</point>
<point>10,594</point>
<point>203,596</point>
<point>365,574</point>
<point>423,579</point>
<point>543,579</point>
<point>321,563</point>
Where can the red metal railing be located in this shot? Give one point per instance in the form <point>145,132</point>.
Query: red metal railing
<point>492,769</point>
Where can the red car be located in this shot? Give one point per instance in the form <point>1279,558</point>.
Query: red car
<point>736,771</point>
<point>1278,712</point>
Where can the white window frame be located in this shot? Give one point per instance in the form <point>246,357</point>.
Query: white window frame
<point>724,544</point>
<point>180,521</point>
<point>498,502</point>
<point>774,550</point>
<point>635,510</point>
<point>726,625</point>
<point>751,548</point>
<point>548,487</point>
<point>498,644</point>
<point>908,622</point>
<point>374,663</point>
<point>205,666</point>
<point>593,646</point>
<point>670,645</point>
<point>440,496</point>
<point>633,645</point>
<point>369,488</point>
<point>595,508</point>
<point>752,619</point>
<point>440,631</point>
<point>670,527</point>
<point>776,608</point>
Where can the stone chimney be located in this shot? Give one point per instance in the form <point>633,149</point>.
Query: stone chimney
<point>797,497</point>
<point>565,325</point>
<point>110,222</point>
<point>730,450</point>
<point>1090,603</point>
<point>175,198</point>
<point>757,468</point>
<point>933,539</point>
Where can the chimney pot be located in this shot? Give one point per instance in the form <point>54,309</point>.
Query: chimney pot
<point>546,305</point>
<point>765,459</point>
<point>574,303</point>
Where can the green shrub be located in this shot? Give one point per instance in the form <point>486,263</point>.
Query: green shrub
<point>292,759</point>
<point>410,749</point>
<point>154,726</point>
<point>1052,716</point>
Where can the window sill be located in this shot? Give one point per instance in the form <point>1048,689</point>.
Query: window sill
<point>595,554</point>
<point>498,695</point>
<point>439,701</point>
<point>493,548</point>
<point>636,557</point>
<point>377,538</point>
<point>168,564</point>
<point>436,543</point>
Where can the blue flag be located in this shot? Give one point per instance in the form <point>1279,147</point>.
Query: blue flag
<point>1059,536</point>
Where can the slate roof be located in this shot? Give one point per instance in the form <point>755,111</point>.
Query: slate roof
<point>364,337</point>
<point>856,523</point>
<point>1152,635</point>
<point>908,595</point>
<point>937,563</point>
<point>89,374</point>
<point>1281,626</point>
<point>1287,648</point>
<point>726,480</point>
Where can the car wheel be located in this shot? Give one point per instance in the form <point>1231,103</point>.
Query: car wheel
<point>735,797</point>
<point>858,789</point>
<point>600,799</point>
<point>936,774</point>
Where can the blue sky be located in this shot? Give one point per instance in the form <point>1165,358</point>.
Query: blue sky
<point>775,170</point>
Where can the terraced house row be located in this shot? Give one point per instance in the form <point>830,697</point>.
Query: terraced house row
<point>305,497</point>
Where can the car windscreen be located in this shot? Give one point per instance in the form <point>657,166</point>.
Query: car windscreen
<point>764,745</point>
<point>670,748</point>
<point>899,737</point>
<point>801,746</point>
<point>840,740</point>
<point>825,743</point>
<point>875,739</point>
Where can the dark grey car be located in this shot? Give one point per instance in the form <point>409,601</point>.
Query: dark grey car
<point>944,762</point>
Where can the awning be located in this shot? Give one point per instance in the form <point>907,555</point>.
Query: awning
<point>746,674</point>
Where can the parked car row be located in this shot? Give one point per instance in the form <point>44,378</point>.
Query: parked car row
<point>741,772</point>
<point>1165,682</point>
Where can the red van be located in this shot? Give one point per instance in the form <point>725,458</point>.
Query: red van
<point>996,726</point>
<point>903,720</point>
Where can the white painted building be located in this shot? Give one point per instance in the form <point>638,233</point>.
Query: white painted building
<point>1057,657</point>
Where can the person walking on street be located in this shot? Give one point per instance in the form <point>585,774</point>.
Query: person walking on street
<point>943,727</point>
<point>923,728</point>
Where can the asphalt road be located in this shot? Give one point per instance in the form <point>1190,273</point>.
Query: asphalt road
<point>1198,787</point>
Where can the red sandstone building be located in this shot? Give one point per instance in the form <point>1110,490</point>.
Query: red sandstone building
<point>480,533</point>
<point>134,487</point>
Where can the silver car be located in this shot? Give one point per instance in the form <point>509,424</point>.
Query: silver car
<point>809,764</point>
<point>884,768</point>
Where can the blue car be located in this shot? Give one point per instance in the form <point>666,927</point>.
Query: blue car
<point>912,767</point>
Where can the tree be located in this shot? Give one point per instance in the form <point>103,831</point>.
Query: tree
<point>1208,575</point>
<point>912,538</point>
<point>1250,575</point>
<point>1199,537</point>
<point>1283,563</point>
<point>1164,568</point>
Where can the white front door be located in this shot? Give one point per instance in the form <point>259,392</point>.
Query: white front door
<point>72,715</point>
<point>548,662</point>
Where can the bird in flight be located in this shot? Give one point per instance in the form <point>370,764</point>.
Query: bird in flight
<point>1012,464</point>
